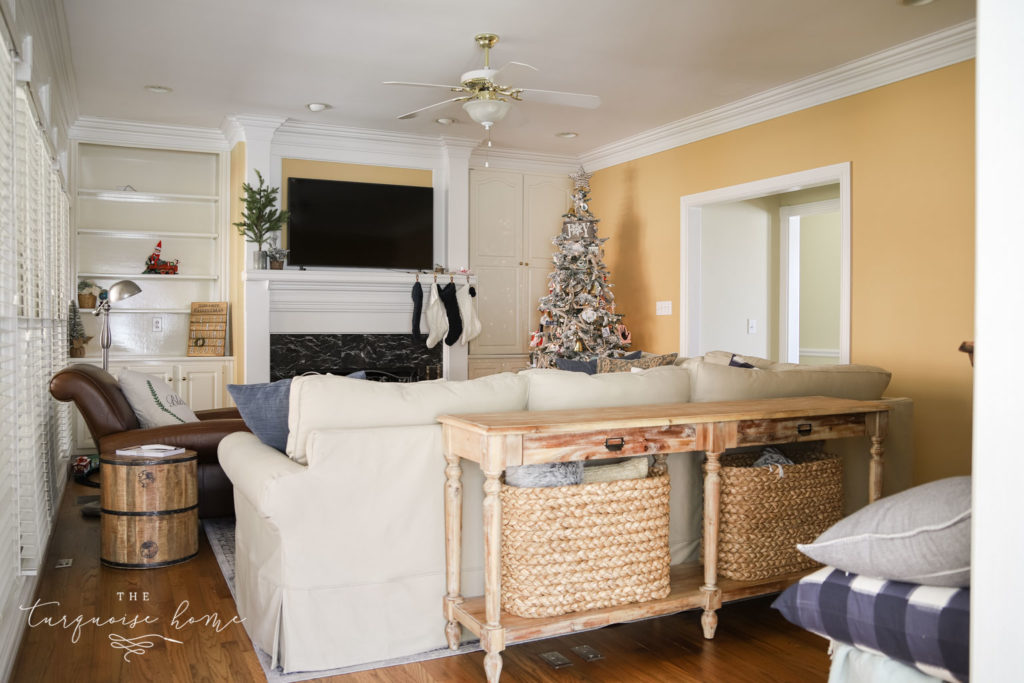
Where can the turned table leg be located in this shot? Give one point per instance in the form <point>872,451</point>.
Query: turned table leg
<point>712,594</point>
<point>493,636</point>
<point>453,546</point>
<point>878,426</point>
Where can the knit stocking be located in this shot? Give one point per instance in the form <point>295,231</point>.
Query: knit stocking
<point>417,311</point>
<point>451,308</point>
<point>470,322</point>
<point>436,318</point>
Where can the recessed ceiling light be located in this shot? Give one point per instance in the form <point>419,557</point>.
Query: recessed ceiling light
<point>317,106</point>
<point>567,134</point>
<point>159,89</point>
<point>444,121</point>
<point>916,3</point>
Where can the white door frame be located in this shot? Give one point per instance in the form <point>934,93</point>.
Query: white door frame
<point>789,275</point>
<point>690,212</point>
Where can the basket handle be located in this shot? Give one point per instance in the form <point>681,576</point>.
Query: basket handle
<point>804,428</point>
<point>615,443</point>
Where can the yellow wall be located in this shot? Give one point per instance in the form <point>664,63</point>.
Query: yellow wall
<point>911,148</point>
<point>236,254</point>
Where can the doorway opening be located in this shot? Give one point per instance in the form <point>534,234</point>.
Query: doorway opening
<point>766,268</point>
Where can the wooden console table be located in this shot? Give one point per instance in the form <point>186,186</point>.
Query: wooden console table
<point>499,440</point>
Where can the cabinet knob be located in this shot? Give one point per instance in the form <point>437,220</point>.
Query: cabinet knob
<point>184,379</point>
<point>526,263</point>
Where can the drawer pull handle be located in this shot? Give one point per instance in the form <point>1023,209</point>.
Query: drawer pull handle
<point>615,443</point>
<point>803,429</point>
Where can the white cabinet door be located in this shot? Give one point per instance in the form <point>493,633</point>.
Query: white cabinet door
<point>545,200</point>
<point>499,291</point>
<point>495,218</point>
<point>536,287</point>
<point>201,386</point>
<point>165,371</point>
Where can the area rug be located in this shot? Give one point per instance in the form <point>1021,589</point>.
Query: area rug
<point>221,534</point>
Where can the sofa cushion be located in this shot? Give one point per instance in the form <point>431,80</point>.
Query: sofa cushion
<point>559,389</point>
<point>921,535</point>
<point>264,408</point>
<point>713,382</point>
<point>627,364</point>
<point>153,401</point>
<point>333,402</point>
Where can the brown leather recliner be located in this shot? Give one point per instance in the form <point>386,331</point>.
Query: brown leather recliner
<point>113,425</point>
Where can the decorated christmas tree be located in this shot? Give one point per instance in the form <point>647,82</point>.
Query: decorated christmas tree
<point>578,318</point>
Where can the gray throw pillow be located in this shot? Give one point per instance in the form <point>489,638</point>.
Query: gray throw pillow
<point>545,475</point>
<point>153,401</point>
<point>921,535</point>
<point>264,409</point>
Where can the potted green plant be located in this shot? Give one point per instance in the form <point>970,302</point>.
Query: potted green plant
<point>77,339</point>
<point>260,217</point>
<point>277,256</point>
<point>87,291</point>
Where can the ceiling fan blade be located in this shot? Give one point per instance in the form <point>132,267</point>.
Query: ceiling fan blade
<point>414,112</point>
<point>568,99</point>
<point>454,88</point>
<point>509,65</point>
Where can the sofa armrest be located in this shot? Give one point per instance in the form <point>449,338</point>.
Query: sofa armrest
<point>253,467</point>
<point>219,414</point>
<point>201,437</point>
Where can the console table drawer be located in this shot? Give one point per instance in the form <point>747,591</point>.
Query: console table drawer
<point>611,443</point>
<point>756,432</point>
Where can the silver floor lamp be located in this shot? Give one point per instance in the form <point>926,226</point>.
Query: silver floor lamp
<point>122,289</point>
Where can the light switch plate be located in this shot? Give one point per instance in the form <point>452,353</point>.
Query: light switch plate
<point>663,308</point>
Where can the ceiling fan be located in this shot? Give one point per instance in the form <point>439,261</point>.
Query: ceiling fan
<point>486,100</point>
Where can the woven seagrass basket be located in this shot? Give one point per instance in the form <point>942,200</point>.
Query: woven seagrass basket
<point>762,516</point>
<point>573,548</point>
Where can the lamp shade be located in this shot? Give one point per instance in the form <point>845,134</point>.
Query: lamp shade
<point>487,112</point>
<point>122,289</point>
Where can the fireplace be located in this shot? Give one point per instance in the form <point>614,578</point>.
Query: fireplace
<point>384,357</point>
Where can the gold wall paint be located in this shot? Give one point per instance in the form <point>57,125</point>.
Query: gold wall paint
<point>236,256</point>
<point>911,148</point>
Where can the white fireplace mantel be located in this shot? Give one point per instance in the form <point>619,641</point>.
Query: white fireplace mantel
<point>342,301</point>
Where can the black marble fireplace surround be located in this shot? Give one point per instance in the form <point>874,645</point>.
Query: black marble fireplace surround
<point>384,356</point>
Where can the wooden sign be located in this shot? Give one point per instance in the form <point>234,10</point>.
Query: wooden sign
<point>208,328</point>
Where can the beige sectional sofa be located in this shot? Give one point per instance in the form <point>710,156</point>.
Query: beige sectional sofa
<point>340,543</point>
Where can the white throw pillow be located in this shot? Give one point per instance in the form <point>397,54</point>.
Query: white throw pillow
<point>153,400</point>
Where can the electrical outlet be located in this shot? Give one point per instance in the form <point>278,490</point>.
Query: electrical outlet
<point>663,308</point>
<point>63,563</point>
<point>158,324</point>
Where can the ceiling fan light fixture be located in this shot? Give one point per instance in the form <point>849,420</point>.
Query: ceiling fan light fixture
<point>487,112</point>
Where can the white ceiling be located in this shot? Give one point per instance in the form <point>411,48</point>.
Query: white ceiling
<point>651,61</point>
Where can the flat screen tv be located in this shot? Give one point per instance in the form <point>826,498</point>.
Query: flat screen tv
<point>361,225</point>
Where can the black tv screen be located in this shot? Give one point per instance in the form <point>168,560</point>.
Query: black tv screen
<point>362,225</point>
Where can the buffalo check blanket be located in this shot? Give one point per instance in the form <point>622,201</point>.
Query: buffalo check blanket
<point>923,626</point>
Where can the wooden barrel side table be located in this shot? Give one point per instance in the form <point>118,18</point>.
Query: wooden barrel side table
<point>149,510</point>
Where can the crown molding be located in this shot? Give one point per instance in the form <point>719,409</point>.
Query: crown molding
<point>523,161</point>
<point>913,58</point>
<point>297,139</point>
<point>113,132</point>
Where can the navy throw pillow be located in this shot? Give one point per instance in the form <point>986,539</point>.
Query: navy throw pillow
<point>264,408</point>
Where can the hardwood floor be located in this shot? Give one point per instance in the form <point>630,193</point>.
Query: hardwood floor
<point>754,643</point>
